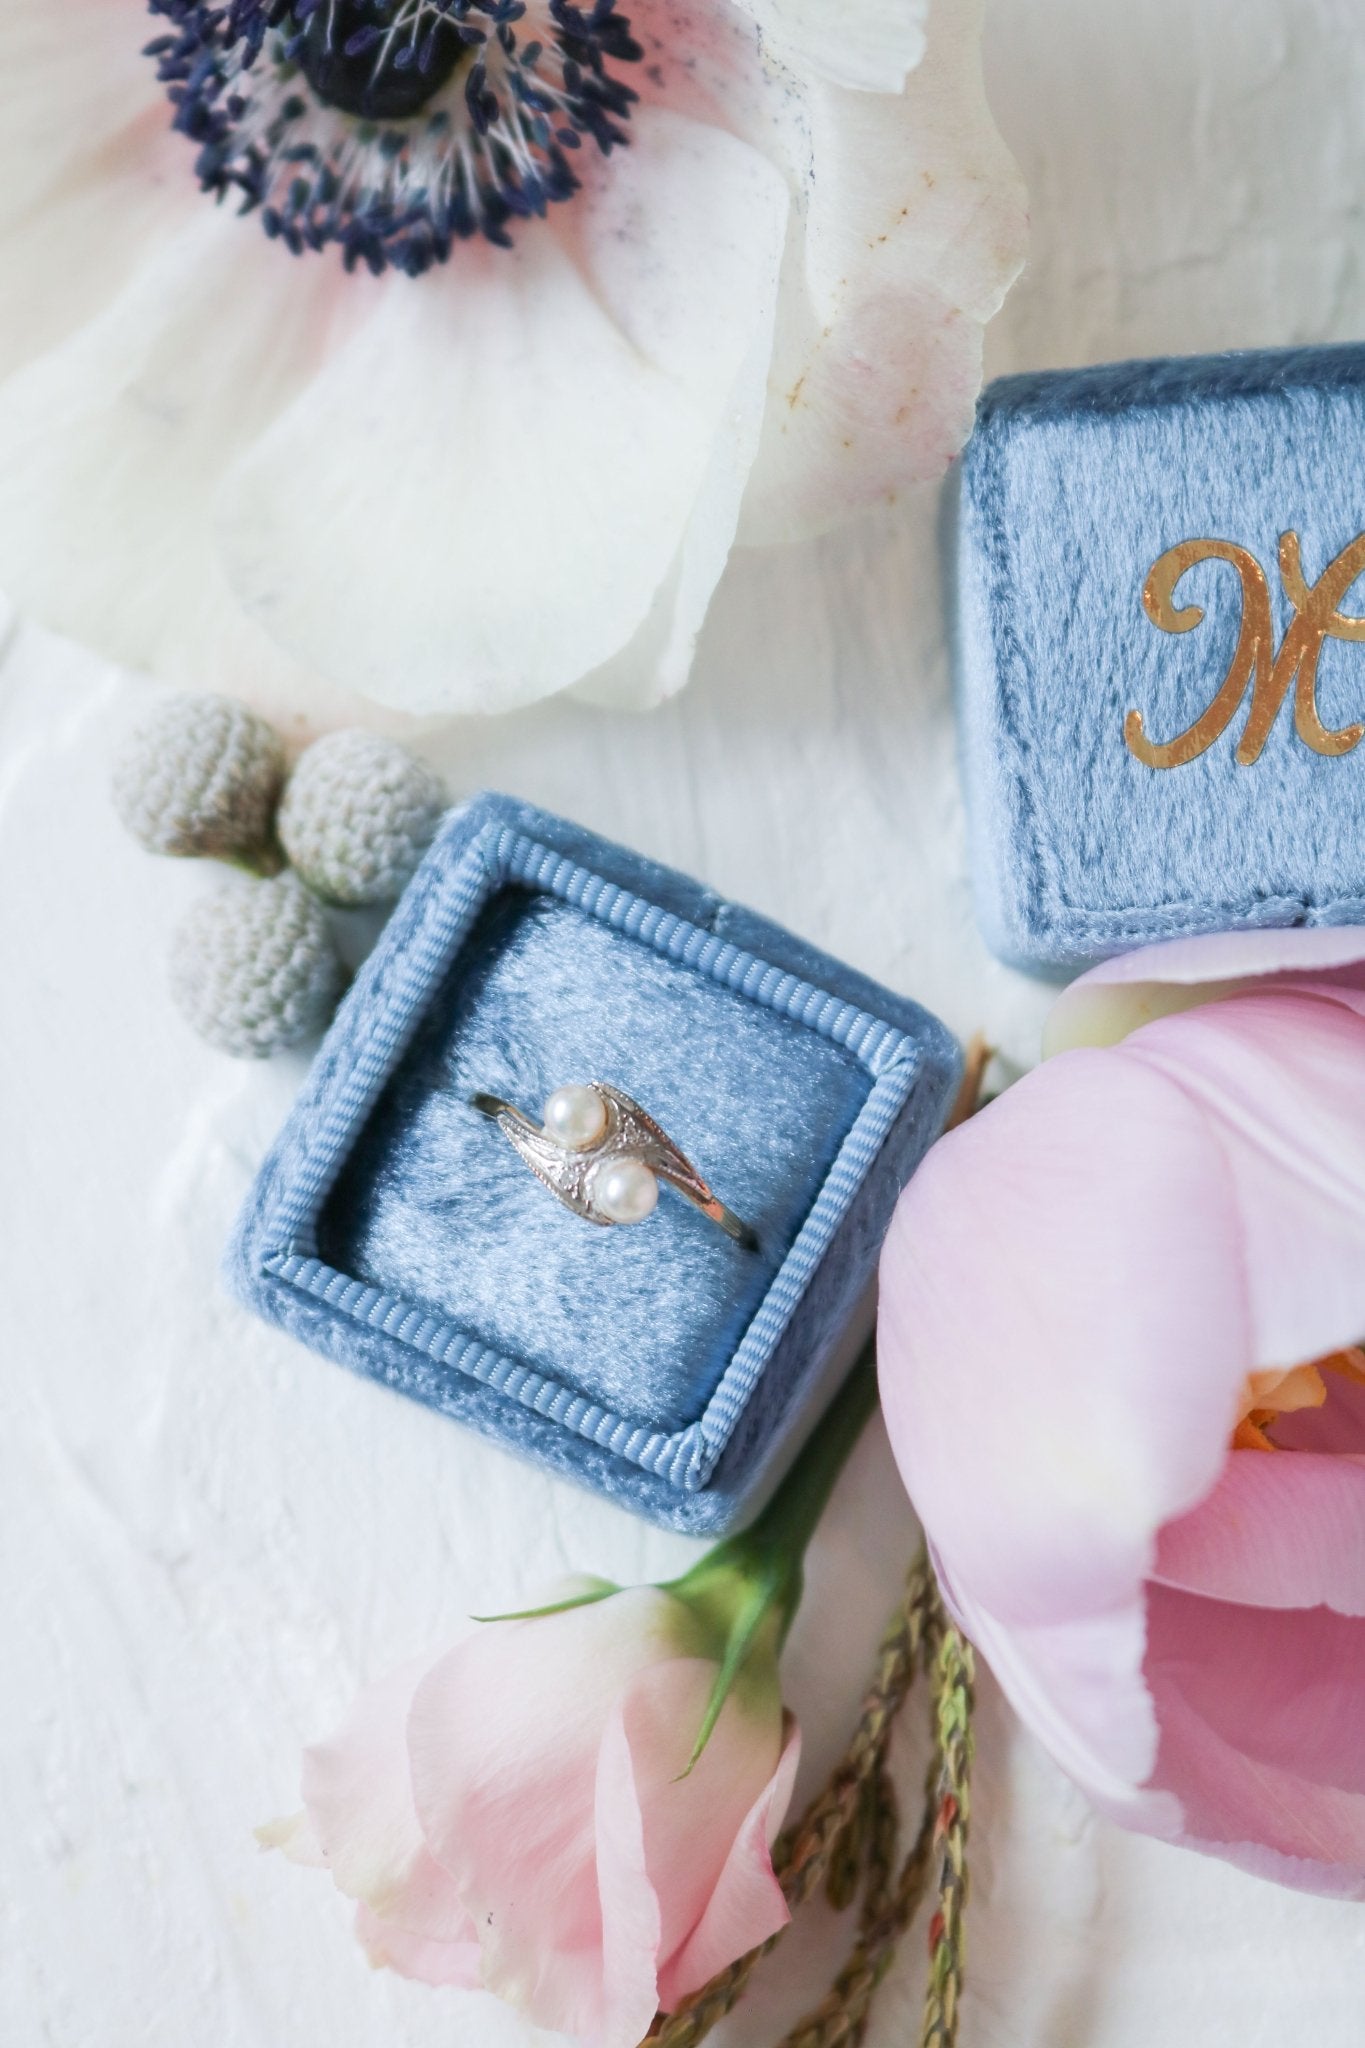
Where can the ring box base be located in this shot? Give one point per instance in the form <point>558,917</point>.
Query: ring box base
<point>395,1230</point>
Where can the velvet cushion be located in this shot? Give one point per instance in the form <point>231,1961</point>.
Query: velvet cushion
<point>1074,485</point>
<point>395,1228</point>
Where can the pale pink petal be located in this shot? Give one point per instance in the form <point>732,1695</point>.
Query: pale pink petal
<point>747,1904</point>
<point>1283,1686</point>
<point>1120,995</point>
<point>357,1789</point>
<point>631,1917</point>
<point>1284,1529</point>
<point>424,1957</point>
<point>1280,1079</point>
<point>1232,956</point>
<point>692,1817</point>
<point>1260,1725</point>
<point>914,230</point>
<point>1264,1820</point>
<point>294,1836</point>
<point>1061,1342</point>
<point>1327,1880</point>
<point>506,1787</point>
<point>1078,1687</point>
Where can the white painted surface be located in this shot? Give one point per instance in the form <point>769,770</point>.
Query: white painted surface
<point>209,1537</point>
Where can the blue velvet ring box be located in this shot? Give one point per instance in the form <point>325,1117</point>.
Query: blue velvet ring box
<point>395,1229</point>
<point>1160,676</point>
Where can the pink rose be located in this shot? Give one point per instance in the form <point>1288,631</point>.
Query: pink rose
<point>520,1814</point>
<point>1117,1317</point>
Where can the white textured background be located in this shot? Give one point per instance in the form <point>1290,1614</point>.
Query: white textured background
<point>210,1537</point>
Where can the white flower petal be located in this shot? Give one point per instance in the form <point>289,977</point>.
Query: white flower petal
<point>111,444</point>
<point>477,499</point>
<point>75,76</point>
<point>868,44</point>
<point>61,262</point>
<point>914,224</point>
<point>526,470</point>
<point>707,59</point>
<point>656,662</point>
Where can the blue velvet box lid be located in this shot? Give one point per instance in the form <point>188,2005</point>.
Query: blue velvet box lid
<point>393,1228</point>
<point>1077,617</point>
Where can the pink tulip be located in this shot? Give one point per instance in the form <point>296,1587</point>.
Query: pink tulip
<point>1118,1308</point>
<point>521,1815</point>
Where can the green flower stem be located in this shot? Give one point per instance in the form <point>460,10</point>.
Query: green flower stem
<point>264,861</point>
<point>787,1523</point>
<point>745,1592</point>
<point>739,1600</point>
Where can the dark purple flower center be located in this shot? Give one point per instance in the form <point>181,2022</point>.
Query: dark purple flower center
<point>393,129</point>
<point>356,58</point>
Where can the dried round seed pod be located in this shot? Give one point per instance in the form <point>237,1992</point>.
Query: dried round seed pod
<point>358,814</point>
<point>254,968</point>
<point>202,776</point>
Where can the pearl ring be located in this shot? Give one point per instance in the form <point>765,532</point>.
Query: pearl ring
<point>604,1156</point>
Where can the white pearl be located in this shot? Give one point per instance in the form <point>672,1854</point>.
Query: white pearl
<point>625,1191</point>
<point>576,1117</point>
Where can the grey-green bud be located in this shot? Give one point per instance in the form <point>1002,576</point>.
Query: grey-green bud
<point>202,776</point>
<point>358,813</point>
<point>254,967</point>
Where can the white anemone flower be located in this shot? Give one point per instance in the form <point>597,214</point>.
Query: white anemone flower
<point>551,308</point>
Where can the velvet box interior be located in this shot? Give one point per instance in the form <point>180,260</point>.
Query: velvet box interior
<point>1160,674</point>
<point>395,1229</point>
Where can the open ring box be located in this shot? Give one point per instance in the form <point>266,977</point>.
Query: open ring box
<point>394,1229</point>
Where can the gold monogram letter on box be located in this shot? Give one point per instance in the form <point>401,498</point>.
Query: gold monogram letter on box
<point>1255,665</point>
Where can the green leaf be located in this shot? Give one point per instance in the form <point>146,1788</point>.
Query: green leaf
<point>603,1590</point>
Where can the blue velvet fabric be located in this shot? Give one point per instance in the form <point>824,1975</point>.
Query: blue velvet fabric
<point>395,1229</point>
<point>1073,485</point>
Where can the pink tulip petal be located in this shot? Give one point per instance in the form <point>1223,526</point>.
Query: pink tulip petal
<point>747,1904</point>
<point>1281,1079</point>
<point>1049,1492</point>
<point>1281,1686</point>
<point>357,1789</point>
<point>506,1791</point>
<point>1338,1426</point>
<point>1300,1873</point>
<point>1235,956</point>
<point>630,1909</point>
<point>420,1956</point>
<point>1062,1342</point>
<point>1078,1687</point>
<point>1120,995</point>
<point>1264,1820</point>
<point>1284,1530</point>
